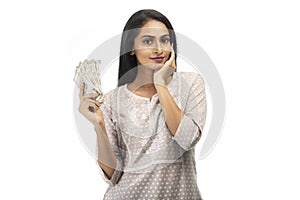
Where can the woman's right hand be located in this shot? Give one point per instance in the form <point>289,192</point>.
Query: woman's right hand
<point>86,101</point>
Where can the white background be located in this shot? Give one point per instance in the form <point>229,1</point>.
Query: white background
<point>254,45</point>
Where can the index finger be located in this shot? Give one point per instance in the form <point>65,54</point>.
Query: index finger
<point>172,53</point>
<point>81,89</point>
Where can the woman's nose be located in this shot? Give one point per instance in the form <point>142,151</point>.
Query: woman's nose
<point>158,48</point>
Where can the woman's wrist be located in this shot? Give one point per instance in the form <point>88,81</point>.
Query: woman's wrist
<point>99,129</point>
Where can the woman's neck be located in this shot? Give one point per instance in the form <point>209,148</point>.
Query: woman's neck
<point>144,78</point>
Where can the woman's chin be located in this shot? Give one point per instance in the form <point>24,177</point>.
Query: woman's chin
<point>157,66</point>
<point>154,66</point>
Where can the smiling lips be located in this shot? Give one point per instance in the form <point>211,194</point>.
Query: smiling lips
<point>158,59</point>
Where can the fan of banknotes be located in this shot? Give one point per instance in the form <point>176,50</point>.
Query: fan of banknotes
<point>88,72</point>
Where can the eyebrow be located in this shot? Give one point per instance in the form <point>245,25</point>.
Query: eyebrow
<point>151,36</point>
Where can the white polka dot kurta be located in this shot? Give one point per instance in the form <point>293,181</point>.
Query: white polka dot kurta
<point>153,164</point>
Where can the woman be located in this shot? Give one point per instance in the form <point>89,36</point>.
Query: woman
<point>148,126</point>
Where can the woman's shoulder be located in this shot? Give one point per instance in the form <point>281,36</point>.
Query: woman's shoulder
<point>113,93</point>
<point>109,94</point>
<point>190,77</point>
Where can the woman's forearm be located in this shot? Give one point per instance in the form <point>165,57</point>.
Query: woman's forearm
<point>171,111</point>
<point>106,158</point>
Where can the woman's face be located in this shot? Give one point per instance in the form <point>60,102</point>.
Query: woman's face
<point>152,45</point>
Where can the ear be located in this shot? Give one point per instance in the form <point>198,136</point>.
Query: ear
<point>132,52</point>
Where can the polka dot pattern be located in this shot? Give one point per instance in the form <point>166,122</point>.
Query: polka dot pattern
<point>153,164</point>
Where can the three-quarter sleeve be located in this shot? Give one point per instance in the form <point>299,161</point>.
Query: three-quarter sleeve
<point>191,125</point>
<point>113,139</point>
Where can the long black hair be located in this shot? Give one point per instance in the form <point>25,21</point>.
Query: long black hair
<point>127,62</point>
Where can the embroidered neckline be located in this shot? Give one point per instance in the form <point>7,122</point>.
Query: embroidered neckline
<point>155,95</point>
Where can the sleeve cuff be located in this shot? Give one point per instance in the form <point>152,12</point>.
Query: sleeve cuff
<point>187,134</point>
<point>115,176</point>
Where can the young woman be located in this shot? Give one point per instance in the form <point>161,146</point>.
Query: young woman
<point>148,126</point>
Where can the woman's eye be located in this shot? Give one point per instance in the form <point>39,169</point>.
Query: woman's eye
<point>166,40</point>
<point>148,42</point>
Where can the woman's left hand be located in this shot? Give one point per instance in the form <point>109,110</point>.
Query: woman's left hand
<point>161,76</point>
